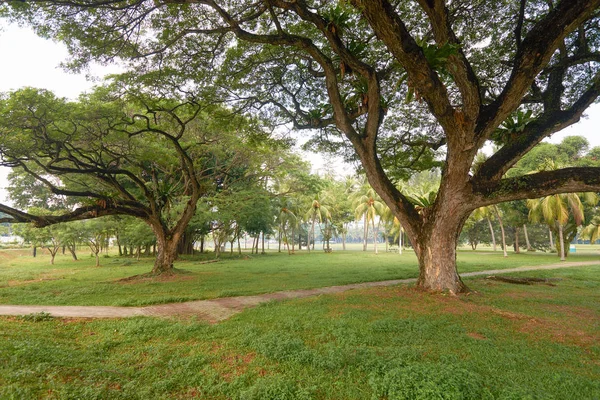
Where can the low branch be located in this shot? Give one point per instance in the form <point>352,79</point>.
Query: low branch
<point>533,186</point>
<point>85,212</point>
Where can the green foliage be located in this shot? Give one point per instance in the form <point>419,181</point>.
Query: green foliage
<point>429,381</point>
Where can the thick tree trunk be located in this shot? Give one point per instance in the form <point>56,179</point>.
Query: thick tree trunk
<point>166,254</point>
<point>436,251</point>
<point>516,242</point>
<point>97,259</point>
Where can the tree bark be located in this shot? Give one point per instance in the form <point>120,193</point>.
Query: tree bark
<point>516,243</point>
<point>436,251</point>
<point>561,241</point>
<point>374,235</point>
<point>550,236</point>
<point>366,232</point>
<point>492,233</point>
<point>501,230</point>
<point>526,237</point>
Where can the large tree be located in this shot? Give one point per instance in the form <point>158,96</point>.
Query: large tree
<point>396,78</point>
<point>153,159</point>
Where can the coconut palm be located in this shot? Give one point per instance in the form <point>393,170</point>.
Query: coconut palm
<point>316,211</point>
<point>592,231</point>
<point>486,213</point>
<point>393,227</point>
<point>287,220</point>
<point>368,206</point>
<point>556,209</point>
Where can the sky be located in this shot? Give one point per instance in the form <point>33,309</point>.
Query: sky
<point>28,60</point>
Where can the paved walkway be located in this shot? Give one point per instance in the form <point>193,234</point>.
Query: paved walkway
<point>216,310</point>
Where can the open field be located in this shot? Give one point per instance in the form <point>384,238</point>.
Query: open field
<point>28,280</point>
<point>504,342</point>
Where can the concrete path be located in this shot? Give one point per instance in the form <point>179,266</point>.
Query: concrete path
<point>216,310</point>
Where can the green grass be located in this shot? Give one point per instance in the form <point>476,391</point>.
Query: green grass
<point>503,342</point>
<point>28,280</point>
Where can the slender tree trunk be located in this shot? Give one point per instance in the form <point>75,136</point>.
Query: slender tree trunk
<point>119,244</point>
<point>516,243</point>
<point>98,259</point>
<point>400,233</point>
<point>551,241</point>
<point>34,251</point>
<point>239,246</point>
<point>72,251</point>
<point>562,242</point>
<point>344,237</point>
<point>263,244</point>
<point>280,238</point>
<point>492,233</point>
<point>527,243</point>
<point>366,232</point>
<point>501,230</point>
<point>374,235</point>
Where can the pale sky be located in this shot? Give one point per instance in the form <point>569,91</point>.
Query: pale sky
<point>28,60</point>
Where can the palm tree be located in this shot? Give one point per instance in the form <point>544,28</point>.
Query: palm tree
<point>316,211</point>
<point>488,214</point>
<point>367,206</point>
<point>287,220</point>
<point>393,227</point>
<point>592,231</point>
<point>556,209</point>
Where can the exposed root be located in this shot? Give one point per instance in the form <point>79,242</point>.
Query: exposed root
<point>523,281</point>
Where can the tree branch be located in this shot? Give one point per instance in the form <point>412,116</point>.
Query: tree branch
<point>545,183</point>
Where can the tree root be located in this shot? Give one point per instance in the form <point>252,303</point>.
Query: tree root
<point>523,281</point>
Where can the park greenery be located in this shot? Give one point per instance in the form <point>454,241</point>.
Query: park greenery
<point>191,129</point>
<point>179,179</point>
<point>505,342</point>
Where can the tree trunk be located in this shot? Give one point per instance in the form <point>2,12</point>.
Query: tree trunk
<point>97,259</point>
<point>34,251</point>
<point>526,237</point>
<point>501,230</point>
<point>263,244</point>
<point>72,251</point>
<point>435,248</point>
<point>400,233</point>
<point>366,232</point>
<point>562,242</point>
<point>344,238</point>
<point>280,237</point>
<point>492,233</point>
<point>166,254</point>
<point>551,241</point>
<point>374,235</point>
<point>516,243</point>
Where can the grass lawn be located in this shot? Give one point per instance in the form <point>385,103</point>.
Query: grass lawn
<point>28,280</point>
<point>504,342</point>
